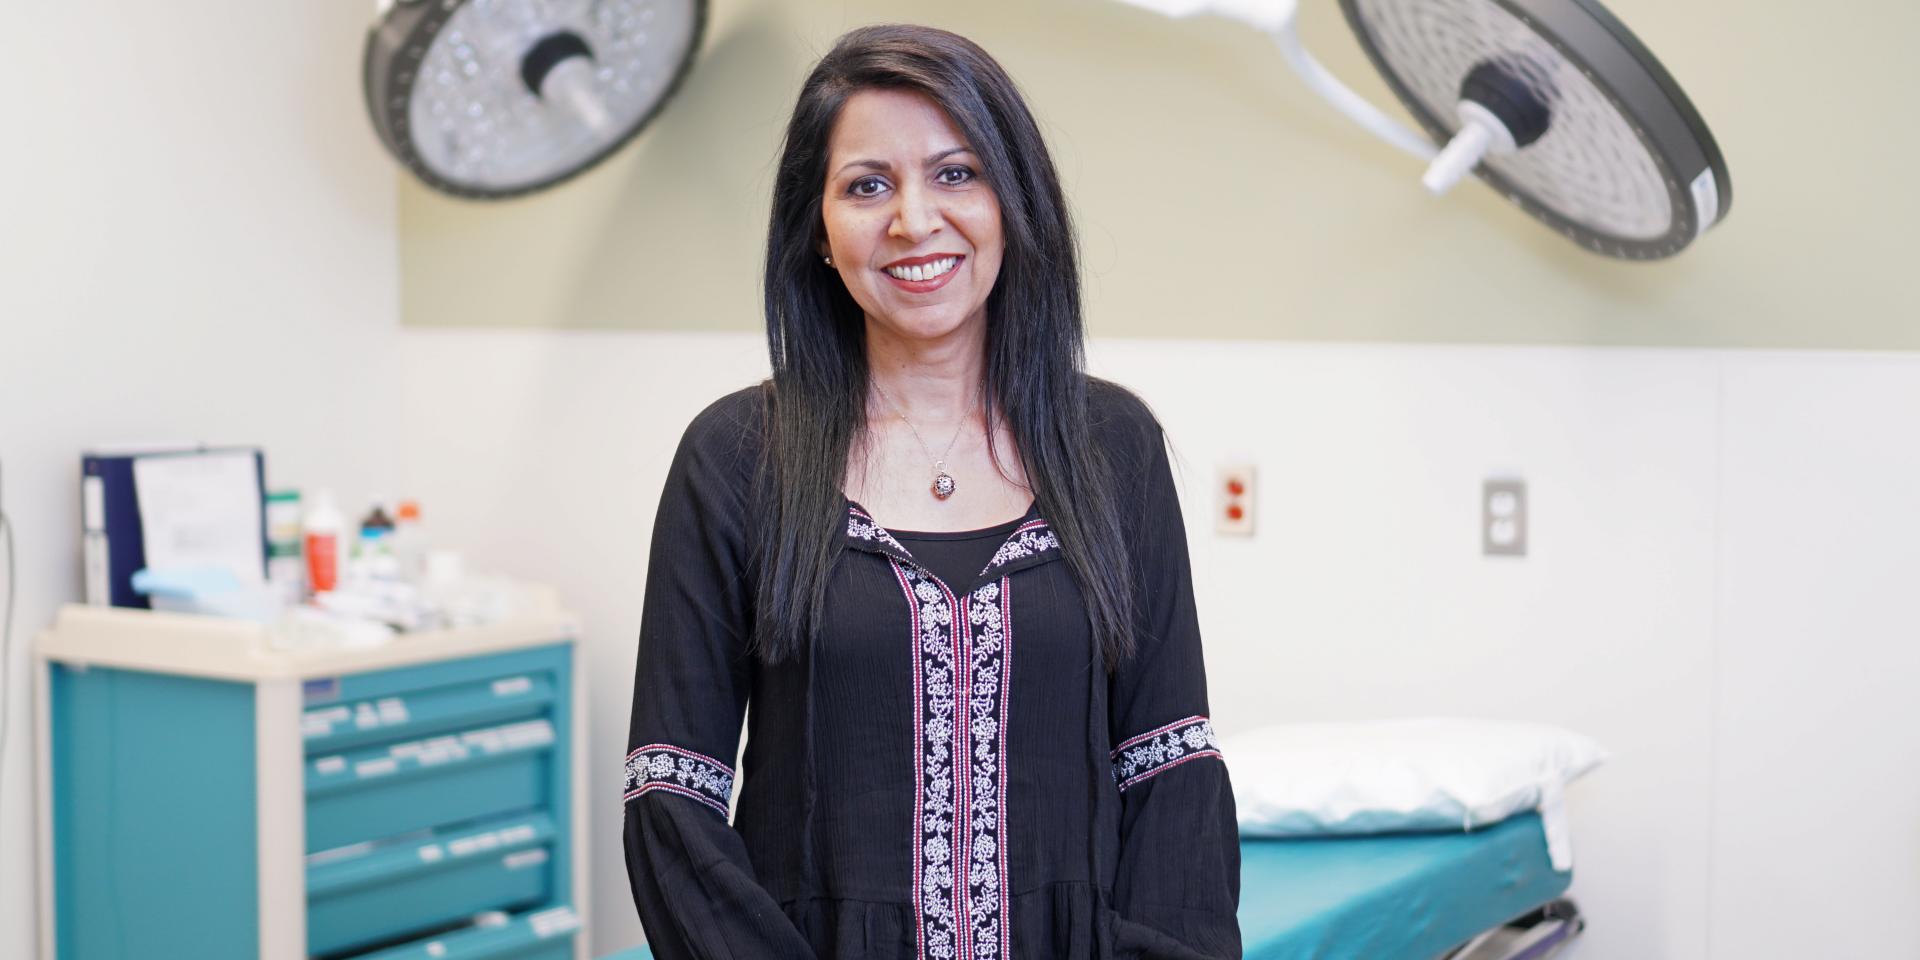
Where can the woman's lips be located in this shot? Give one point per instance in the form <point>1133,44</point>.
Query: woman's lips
<point>925,286</point>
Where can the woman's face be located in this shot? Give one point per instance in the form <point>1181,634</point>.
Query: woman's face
<point>913,229</point>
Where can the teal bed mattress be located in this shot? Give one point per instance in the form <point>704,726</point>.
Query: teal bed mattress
<point>1401,897</point>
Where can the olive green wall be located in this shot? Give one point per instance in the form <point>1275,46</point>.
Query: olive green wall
<point>1218,198</point>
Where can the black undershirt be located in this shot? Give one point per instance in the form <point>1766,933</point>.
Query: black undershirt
<point>956,557</point>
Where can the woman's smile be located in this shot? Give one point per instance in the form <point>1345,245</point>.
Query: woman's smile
<point>923,274</point>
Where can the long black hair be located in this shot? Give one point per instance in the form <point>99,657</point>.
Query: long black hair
<point>816,336</point>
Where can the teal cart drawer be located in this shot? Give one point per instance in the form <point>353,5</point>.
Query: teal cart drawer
<point>379,793</point>
<point>536,935</point>
<point>417,713</point>
<point>377,893</point>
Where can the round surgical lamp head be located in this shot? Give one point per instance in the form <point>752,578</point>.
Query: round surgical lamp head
<point>1558,106</point>
<point>1554,103</point>
<point>488,99</point>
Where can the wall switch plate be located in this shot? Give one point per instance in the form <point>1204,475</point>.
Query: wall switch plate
<point>1233,500</point>
<point>1503,517</point>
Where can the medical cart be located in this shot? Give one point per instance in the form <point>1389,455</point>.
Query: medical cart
<point>203,794</point>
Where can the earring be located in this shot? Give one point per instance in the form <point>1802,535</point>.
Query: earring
<point>829,260</point>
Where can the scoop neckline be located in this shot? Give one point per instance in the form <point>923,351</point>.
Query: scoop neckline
<point>998,529</point>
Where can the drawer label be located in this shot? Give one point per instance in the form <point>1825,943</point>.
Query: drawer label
<point>552,923</point>
<point>392,710</point>
<point>349,852</point>
<point>513,736</point>
<point>491,840</point>
<point>524,859</point>
<point>320,723</point>
<point>388,712</point>
<point>378,767</point>
<point>434,751</point>
<point>468,846</point>
<point>320,689</point>
<point>512,686</point>
<point>330,765</point>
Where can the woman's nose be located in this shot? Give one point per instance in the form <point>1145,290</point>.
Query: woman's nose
<point>916,215</point>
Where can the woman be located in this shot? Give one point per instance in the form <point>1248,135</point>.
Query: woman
<point>983,739</point>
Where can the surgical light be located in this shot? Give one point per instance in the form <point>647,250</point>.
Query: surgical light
<point>1554,103</point>
<point>496,98</point>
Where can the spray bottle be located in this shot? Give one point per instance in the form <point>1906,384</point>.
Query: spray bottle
<point>323,529</point>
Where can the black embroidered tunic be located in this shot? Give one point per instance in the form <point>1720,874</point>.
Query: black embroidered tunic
<point>948,772</point>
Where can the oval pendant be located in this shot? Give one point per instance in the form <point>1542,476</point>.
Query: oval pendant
<point>943,485</point>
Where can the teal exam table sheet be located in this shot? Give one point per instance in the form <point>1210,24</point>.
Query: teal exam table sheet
<point>1396,897</point>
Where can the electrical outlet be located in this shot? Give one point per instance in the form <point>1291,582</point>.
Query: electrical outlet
<point>1503,517</point>
<point>1233,500</point>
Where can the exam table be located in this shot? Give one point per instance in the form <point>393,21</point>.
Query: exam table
<point>1396,897</point>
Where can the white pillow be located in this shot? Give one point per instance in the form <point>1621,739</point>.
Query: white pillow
<point>1317,779</point>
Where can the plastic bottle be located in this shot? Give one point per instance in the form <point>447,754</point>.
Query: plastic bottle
<point>373,556</point>
<point>407,543</point>
<point>286,567</point>
<point>322,531</point>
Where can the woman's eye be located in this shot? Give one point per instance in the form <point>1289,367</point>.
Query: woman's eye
<point>866,187</point>
<point>954,176</point>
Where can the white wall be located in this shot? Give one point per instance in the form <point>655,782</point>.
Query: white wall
<point>1817,700</point>
<point>1719,546</point>
<point>197,242</point>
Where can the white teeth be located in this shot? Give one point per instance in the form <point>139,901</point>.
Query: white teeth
<point>926,271</point>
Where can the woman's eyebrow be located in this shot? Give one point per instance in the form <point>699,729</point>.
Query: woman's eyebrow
<point>883,165</point>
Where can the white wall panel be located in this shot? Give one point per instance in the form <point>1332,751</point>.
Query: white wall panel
<point>1816,830</point>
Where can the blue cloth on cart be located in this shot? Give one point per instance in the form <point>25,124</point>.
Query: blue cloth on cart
<point>1394,897</point>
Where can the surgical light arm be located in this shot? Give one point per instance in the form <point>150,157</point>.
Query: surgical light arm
<point>1480,132</point>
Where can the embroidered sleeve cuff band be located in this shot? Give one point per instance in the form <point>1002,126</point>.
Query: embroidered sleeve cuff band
<point>662,766</point>
<point>1162,749</point>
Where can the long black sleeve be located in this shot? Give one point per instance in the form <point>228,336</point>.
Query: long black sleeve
<point>693,883</point>
<point>1178,887</point>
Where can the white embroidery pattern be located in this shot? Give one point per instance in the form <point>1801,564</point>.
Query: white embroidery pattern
<point>961,674</point>
<point>989,663</point>
<point>1032,538</point>
<point>937,835</point>
<point>663,766</point>
<point>1157,751</point>
<point>862,527</point>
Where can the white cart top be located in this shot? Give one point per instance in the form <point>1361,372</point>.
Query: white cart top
<point>228,649</point>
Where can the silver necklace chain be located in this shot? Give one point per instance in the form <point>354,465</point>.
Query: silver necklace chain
<point>943,482</point>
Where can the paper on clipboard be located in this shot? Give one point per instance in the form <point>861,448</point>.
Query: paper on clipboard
<point>202,510</point>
